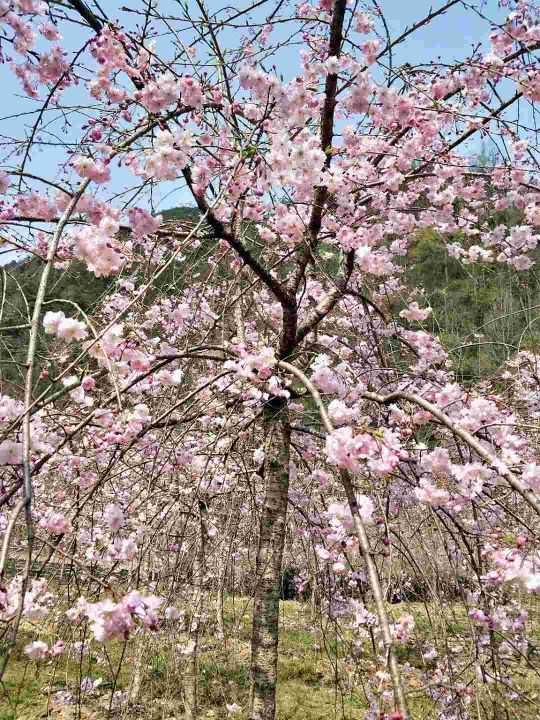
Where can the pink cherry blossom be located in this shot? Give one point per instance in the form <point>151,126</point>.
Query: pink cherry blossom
<point>37,650</point>
<point>414,313</point>
<point>56,523</point>
<point>95,170</point>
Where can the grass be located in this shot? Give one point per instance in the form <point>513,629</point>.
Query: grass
<point>318,680</point>
<point>21,697</point>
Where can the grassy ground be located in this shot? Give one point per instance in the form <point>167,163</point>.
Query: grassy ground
<point>318,681</point>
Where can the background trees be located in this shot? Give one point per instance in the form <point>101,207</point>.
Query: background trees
<point>279,381</point>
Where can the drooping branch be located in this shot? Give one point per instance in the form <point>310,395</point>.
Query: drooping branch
<point>494,462</point>
<point>363,540</point>
<point>33,339</point>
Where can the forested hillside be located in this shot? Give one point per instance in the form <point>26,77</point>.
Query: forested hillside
<point>69,286</point>
<point>483,313</point>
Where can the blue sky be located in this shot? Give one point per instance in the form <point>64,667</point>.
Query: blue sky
<point>449,35</point>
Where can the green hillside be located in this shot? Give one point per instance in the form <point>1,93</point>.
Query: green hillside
<point>69,290</point>
<point>482,313</point>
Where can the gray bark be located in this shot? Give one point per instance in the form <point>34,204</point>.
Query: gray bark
<point>265,630</point>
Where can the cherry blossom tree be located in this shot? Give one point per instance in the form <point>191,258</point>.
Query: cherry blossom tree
<point>263,380</point>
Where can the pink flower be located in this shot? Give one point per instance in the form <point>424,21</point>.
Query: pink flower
<point>322,552</point>
<point>258,364</point>
<point>340,514</point>
<point>52,66</point>
<point>415,313</point>
<point>56,523</point>
<point>180,314</point>
<point>170,377</point>
<point>171,153</point>
<point>160,93</point>
<point>11,453</point>
<point>95,170</point>
<point>363,24</point>
<point>471,478</point>
<point>142,223</point>
<point>88,383</point>
<point>340,414</point>
<point>37,650</point>
<point>56,323</point>
<point>113,517</point>
<point>122,550</point>
<point>345,449</point>
<point>51,322</point>
<point>531,476</point>
<point>371,50</point>
<point>437,462</point>
<point>31,7</point>
<point>191,92</point>
<point>428,493</point>
<point>110,620</point>
<point>99,247</point>
<point>49,31</point>
<point>70,329</point>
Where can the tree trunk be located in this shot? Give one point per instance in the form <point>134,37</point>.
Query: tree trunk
<point>220,601</point>
<point>265,631</point>
<point>138,666</point>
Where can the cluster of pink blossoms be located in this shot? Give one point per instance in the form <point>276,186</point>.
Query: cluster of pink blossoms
<point>56,523</point>
<point>65,328</point>
<point>39,650</point>
<point>38,601</point>
<point>256,365</point>
<point>109,620</point>
<point>167,90</point>
<point>170,153</point>
<point>514,565</point>
<point>100,248</point>
<point>96,170</point>
<point>380,452</point>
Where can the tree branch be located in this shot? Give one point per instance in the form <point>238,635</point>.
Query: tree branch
<point>526,493</point>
